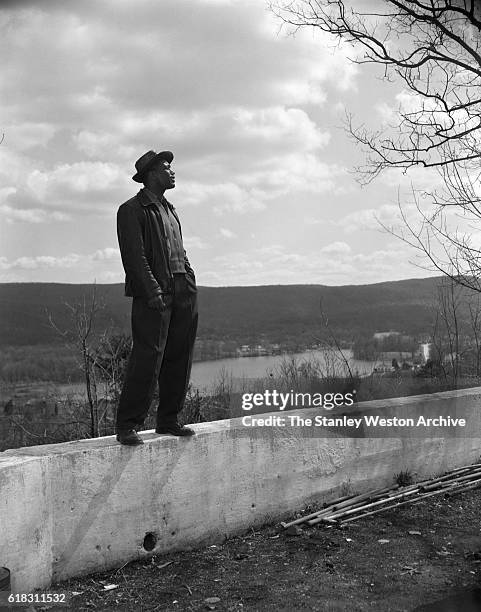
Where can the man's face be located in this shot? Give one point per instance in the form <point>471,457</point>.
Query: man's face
<point>162,175</point>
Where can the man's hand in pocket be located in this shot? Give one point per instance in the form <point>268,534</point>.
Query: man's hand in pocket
<point>157,303</point>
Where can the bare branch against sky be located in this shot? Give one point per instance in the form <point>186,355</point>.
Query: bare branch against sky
<point>433,49</point>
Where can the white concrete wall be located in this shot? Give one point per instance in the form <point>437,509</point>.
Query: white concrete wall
<point>79,507</point>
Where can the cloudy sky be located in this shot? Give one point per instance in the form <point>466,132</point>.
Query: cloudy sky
<point>253,115</point>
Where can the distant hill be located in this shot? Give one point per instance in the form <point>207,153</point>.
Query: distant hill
<point>242,314</point>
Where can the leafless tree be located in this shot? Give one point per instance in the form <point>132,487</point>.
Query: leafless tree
<point>456,335</point>
<point>433,48</point>
<point>331,344</point>
<point>83,317</point>
<point>446,330</point>
<point>474,307</point>
<point>110,356</point>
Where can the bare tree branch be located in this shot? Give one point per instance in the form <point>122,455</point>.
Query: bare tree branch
<point>433,48</point>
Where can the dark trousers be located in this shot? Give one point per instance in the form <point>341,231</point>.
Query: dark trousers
<point>162,348</point>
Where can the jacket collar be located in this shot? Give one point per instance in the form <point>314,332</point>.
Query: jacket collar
<point>147,198</point>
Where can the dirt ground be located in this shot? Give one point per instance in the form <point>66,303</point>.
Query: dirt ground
<point>373,564</point>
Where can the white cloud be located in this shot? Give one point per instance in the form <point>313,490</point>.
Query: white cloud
<point>227,233</point>
<point>338,265</point>
<point>219,198</point>
<point>374,218</point>
<point>228,48</point>
<point>71,190</point>
<point>102,265</point>
<point>80,177</point>
<point>339,248</point>
<point>27,134</point>
<point>296,172</point>
<point>31,215</point>
<point>278,126</point>
<point>40,262</point>
<point>194,242</point>
<point>108,254</point>
<point>103,145</point>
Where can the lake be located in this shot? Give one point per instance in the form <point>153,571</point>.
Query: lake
<point>204,375</point>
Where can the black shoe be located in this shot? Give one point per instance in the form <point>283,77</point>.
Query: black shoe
<point>129,437</point>
<point>175,430</point>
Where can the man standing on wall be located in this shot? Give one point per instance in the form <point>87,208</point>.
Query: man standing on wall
<point>161,282</point>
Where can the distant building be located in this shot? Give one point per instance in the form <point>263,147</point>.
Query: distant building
<point>260,350</point>
<point>383,335</point>
<point>422,353</point>
<point>425,350</point>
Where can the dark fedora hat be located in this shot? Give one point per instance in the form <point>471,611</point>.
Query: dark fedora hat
<point>144,163</point>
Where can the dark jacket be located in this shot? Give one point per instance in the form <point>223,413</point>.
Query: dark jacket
<point>143,248</point>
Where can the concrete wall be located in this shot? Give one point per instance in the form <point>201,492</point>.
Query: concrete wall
<point>79,507</point>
